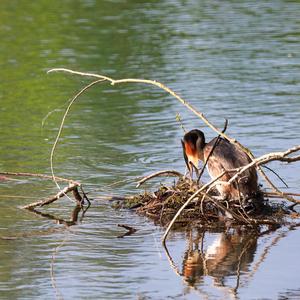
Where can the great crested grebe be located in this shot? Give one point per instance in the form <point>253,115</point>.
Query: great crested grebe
<point>225,156</point>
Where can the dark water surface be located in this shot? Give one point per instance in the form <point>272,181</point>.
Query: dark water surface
<point>231,60</point>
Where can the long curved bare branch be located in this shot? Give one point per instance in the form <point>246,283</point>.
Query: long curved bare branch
<point>184,102</point>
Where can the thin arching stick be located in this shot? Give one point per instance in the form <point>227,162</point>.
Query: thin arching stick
<point>61,128</point>
<point>277,175</point>
<point>171,261</point>
<point>160,173</point>
<point>52,271</point>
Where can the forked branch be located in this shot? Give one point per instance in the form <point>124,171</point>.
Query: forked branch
<point>101,78</point>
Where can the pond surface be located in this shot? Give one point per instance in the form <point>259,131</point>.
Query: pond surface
<point>230,60</point>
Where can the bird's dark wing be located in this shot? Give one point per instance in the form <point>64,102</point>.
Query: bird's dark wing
<point>227,156</point>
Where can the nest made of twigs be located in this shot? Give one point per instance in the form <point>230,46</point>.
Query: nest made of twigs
<point>205,209</point>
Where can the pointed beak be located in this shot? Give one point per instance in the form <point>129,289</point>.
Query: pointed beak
<point>190,162</point>
<point>186,158</point>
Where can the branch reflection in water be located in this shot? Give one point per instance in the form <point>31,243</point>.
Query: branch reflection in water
<point>58,294</point>
<point>70,222</point>
<point>231,254</point>
<point>74,219</point>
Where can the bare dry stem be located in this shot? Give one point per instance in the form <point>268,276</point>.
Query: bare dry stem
<point>60,194</point>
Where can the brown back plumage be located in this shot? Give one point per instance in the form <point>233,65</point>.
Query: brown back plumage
<point>227,156</point>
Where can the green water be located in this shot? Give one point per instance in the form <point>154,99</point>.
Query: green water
<point>231,60</point>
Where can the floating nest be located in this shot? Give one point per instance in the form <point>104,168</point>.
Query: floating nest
<point>204,210</point>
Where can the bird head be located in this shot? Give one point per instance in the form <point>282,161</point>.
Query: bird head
<point>193,143</point>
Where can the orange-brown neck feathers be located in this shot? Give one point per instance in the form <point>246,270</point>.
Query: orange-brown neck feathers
<point>191,153</point>
<point>190,149</point>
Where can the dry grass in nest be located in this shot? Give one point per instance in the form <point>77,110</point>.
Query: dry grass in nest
<point>163,204</point>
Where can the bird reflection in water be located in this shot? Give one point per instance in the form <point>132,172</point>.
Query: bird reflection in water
<point>221,256</point>
<point>228,254</point>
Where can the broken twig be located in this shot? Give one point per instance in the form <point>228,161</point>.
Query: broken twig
<point>60,194</point>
